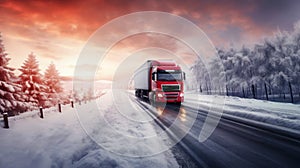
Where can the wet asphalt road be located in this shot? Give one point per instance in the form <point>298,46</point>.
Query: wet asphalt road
<point>232,144</point>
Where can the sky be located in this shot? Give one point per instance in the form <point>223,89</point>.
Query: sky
<point>56,31</point>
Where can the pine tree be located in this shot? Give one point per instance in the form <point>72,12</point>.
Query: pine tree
<point>31,81</point>
<point>88,95</point>
<point>11,99</point>
<point>52,81</point>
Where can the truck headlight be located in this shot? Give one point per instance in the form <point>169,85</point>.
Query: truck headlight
<point>181,94</point>
<point>160,95</point>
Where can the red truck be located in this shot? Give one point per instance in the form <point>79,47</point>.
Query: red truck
<point>159,81</point>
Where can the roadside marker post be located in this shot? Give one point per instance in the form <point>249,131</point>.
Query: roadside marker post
<point>41,112</point>
<point>5,118</point>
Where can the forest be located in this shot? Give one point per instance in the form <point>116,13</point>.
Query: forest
<point>269,70</point>
<point>31,89</point>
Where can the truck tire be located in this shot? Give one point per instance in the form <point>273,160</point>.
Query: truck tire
<point>141,94</point>
<point>137,93</point>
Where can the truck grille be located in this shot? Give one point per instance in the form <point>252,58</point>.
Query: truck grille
<point>172,96</point>
<point>171,88</point>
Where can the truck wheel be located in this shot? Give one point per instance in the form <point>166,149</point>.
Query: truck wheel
<point>141,94</point>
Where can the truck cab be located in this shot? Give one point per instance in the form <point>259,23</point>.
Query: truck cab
<point>160,81</point>
<point>166,82</point>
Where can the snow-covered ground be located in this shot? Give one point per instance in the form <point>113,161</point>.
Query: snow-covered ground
<point>114,132</point>
<point>95,134</point>
<point>286,115</point>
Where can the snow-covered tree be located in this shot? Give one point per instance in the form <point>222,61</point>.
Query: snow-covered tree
<point>32,82</point>
<point>274,63</point>
<point>201,74</point>
<point>52,81</point>
<point>11,99</point>
<point>89,94</point>
<point>76,96</point>
<point>294,52</point>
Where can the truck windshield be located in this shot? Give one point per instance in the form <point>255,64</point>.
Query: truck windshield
<point>169,76</point>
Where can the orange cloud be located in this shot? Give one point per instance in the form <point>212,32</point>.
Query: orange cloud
<point>57,30</point>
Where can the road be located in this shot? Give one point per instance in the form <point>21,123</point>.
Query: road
<point>232,144</point>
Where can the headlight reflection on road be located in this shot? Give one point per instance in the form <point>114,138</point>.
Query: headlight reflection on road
<point>160,111</point>
<point>182,114</point>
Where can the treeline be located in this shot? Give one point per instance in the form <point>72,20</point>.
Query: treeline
<point>269,68</point>
<point>30,89</point>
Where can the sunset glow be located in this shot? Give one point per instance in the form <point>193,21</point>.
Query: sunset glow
<point>56,31</point>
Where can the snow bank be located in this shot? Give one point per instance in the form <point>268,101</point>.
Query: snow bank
<point>285,115</point>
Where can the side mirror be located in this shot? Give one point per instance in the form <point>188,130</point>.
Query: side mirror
<point>183,75</point>
<point>154,76</point>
